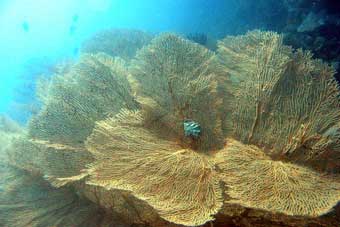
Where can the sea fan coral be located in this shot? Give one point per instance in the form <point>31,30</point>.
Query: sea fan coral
<point>254,180</point>
<point>117,42</point>
<point>180,183</point>
<point>95,88</point>
<point>27,200</point>
<point>108,130</point>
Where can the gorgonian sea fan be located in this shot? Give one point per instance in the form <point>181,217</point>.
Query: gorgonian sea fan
<point>265,114</point>
<point>117,42</point>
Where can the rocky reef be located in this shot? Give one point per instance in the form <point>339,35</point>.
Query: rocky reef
<point>315,26</point>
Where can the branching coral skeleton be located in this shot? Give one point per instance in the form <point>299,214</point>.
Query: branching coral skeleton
<point>120,129</point>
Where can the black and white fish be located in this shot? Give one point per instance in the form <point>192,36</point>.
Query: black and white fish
<point>191,128</point>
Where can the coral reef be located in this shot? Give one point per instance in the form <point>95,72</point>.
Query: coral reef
<point>94,88</point>
<point>110,134</point>
<point>117,42</point>
<point>28,200</point>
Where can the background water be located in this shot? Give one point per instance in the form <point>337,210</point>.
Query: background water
<point>36,34</point>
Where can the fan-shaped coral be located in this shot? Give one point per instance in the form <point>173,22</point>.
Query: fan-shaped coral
<point>284,101</point>
<point>95,88</point>
<point>177,81</point>
<point>254,180</point>
<point>121,43</point>
<point>262,109</point>
<point>27,200</point>
<point>180,183</point>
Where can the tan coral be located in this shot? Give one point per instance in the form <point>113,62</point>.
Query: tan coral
<point>91,90</point>
<point>181,80</point>
<point>241,170</point>
<point>254,180</point>
<point>122,43</point>
<point>48,160</point>
<point>54,146</point>
<point>180,183</point>
<point>284,101</point>
<point>168,178</point>
<point>281,104</point>
<point>27,200</point>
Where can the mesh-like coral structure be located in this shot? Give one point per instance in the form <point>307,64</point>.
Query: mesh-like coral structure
<point>27,200</point>
<point>266,114</point>
<point>254,180</point>
<point>96,87</point>
<point>285,101</point>
<point>180,183</point>
<point>122,43</point>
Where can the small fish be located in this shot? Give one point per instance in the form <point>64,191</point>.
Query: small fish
<point>73,26</point>
<point>75,18</point>
<point>191,128</point>
<point>25,26</point>
<point>72,29</point>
